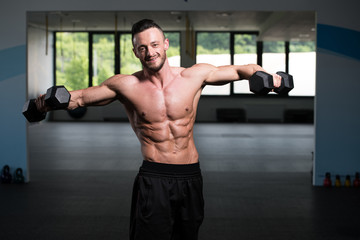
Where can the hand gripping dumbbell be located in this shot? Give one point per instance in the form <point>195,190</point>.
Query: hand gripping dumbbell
<point>261,83</point>
<point>56,97</point>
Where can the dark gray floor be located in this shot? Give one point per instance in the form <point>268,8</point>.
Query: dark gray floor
<point>222,147</point>
<point>257,185</point>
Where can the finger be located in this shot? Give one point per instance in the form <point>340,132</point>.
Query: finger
<point>40,103</point>
<point>277,82</point>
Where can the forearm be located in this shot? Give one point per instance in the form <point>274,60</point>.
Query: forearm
<point>224,74</point>
<point>76,99</point>
<point>246,71</point>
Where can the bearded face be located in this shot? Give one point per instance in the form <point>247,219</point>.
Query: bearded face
<point>154,62</point>
<point>150,47</point>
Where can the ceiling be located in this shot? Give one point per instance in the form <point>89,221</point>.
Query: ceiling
<point>284,26</point>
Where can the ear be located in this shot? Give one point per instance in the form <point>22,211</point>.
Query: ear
<point>166,44</point>
<point>134,51</point>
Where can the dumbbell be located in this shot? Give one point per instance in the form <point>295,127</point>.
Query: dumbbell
<point>56,97</point>
<point>261,83</point>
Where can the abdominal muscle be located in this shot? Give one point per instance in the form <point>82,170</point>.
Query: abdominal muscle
<point>168,142</point>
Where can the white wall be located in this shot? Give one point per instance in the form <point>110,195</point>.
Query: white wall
<point>337,128</point>
<point>39,61</point>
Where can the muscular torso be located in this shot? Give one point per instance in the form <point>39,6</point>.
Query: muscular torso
<point>163,117</point>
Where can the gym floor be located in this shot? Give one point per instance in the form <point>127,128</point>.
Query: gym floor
<point>257,185</point>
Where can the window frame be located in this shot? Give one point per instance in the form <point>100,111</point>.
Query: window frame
<point>259,47</point>
<point>232,56</point>
<point>259,52</point>
<point>117,65</point>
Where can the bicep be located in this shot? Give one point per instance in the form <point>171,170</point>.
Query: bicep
<point>98,95</point>
<point>92,96</point>
<point>221,75</point>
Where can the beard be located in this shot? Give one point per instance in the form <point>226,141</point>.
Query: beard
<point>154,66</point>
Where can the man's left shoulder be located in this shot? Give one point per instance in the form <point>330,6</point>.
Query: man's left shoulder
<point>199,69</point>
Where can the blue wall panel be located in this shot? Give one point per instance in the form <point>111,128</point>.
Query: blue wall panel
<point>339,40</point>
<point>12,62</point>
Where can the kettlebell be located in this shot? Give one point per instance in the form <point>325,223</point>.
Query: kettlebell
<point>357,180</point>
<point>19,177</point>
<point>5,175</point>
<point>327,180</point>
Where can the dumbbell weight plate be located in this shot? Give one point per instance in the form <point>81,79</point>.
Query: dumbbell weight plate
<point>287,83</point>
<point>31,113</point>
<point>57,97</point>
<point>261,83</point>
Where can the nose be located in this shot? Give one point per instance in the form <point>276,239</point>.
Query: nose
<point>150,51</point>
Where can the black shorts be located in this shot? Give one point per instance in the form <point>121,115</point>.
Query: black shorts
<point>167,202</point>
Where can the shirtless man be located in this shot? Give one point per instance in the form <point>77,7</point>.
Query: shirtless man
<point>161,103</point>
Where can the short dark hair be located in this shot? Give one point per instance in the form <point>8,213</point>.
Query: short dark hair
<point>142,25</point>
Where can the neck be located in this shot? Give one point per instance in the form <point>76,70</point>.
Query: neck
<point>159,78</point>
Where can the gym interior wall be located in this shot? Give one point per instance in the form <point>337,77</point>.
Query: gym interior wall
<point>337,59</point>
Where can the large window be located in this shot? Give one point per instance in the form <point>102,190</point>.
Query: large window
<point>302,62</point>
<point>245,52</point>
<point>173,53</point>
<point>222,48</point>
<point>274,58</point>
<point>72,60</point>
<point>129,63</point>
<point>214,48</point>
<point>103,57</point>
<point>87,59</point>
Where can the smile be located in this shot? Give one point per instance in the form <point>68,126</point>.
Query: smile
<point>152,59</point>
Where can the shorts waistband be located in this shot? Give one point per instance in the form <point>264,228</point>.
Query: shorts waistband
<point>170,169</point>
